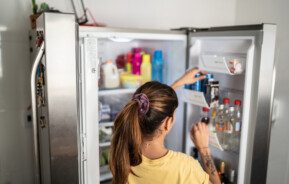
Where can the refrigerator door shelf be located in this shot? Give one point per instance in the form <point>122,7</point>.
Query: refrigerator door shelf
<point>233,64</point>
<point>194,98</point>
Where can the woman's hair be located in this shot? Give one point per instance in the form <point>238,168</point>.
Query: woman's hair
<point>141,117</point>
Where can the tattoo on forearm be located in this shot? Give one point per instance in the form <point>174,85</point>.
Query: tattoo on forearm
<point>209,163</point>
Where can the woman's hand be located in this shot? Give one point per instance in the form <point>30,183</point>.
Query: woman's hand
<point>200,135</point>
<point>189,78</point>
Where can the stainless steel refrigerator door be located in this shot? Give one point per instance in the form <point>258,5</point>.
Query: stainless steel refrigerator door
<point>257,104</point>
<point>60,111</point>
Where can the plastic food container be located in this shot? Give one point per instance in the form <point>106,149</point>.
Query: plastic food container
<point>130,81</point>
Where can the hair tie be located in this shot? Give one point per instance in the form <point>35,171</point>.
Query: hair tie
<point>143,103</point>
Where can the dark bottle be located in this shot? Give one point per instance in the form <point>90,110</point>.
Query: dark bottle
<point>205,115</point>
<point>222,174</point>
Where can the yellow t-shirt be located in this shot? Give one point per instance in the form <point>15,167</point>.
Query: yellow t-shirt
<point>173,168</point>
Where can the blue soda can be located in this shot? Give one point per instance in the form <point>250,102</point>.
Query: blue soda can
<point>198,84</point>
<point>209,77</point>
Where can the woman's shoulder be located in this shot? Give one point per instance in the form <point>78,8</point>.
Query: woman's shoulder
<point>182,157</point>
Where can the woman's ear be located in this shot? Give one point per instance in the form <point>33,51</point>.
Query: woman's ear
<point>168,123</point>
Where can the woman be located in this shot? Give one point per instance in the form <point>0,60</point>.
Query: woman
<point>138,154</point>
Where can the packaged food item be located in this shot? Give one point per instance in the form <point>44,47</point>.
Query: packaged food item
<point>130,81</point>
<point>105,134</point>
<point>120,61</point>
<point>105,112</point>
<point>212,93</point>
<point>109,75</point>
<point>146,68</point>
<point>235,66</point>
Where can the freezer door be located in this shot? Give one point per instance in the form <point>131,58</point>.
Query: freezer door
<point>56,94</point>
<point>254,46</point>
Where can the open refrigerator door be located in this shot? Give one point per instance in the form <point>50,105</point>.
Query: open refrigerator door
<point>233,58</point>
<point>114,87</point>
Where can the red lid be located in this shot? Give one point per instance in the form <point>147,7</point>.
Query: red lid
<point>226,100</point>
<point>237,102</point>
<point>205,109</point>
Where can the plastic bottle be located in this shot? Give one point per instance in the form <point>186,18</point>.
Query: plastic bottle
<point>128,64</point>
<point>136,63</point>
<point>220,119</point>
<point>110,75</point>
<point>237,126</point>
<point>220,124</point>
<point>157,66</point>
<point>226,102</point>
<point>146,68</point>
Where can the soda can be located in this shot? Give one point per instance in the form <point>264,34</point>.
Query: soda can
<point>187,86</point>
<point>198,84</point>
<point>209,76</point>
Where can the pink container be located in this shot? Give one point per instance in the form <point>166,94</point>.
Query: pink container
<point>136,63</point>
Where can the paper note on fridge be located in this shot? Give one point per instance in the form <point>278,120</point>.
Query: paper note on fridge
<point>195,97</point>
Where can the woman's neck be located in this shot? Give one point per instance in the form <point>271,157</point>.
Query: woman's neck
<point>154,149</point>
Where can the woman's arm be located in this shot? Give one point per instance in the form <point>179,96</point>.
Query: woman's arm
<point>200,137</point>
<point>188,78</point>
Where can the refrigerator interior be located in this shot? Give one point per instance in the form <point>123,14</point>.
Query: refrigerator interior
<point>111,101</point>
<point>210,54</point>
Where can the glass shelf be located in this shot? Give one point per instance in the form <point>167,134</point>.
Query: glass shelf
<point>104,144</point>
<point>118,91</point>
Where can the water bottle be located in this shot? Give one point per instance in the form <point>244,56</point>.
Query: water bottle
<point>157,66</point>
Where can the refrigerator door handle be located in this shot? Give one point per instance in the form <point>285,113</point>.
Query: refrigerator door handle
<point>34,112</point>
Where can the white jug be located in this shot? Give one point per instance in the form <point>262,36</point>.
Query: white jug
<point>110,75</point>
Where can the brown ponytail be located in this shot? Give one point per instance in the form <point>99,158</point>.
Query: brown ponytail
<point>131,126</point>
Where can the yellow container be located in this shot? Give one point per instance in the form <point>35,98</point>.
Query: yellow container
<point>130,81</point>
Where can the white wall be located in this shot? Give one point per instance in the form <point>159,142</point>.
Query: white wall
<point>159,14</point>
<point>15,133</point>
<point>274,11</point>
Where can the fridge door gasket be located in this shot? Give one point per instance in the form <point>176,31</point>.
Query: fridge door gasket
<point>89,108</point>
<point>257,94</point>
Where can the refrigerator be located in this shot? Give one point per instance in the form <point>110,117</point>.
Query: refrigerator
<point>73,116</point>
